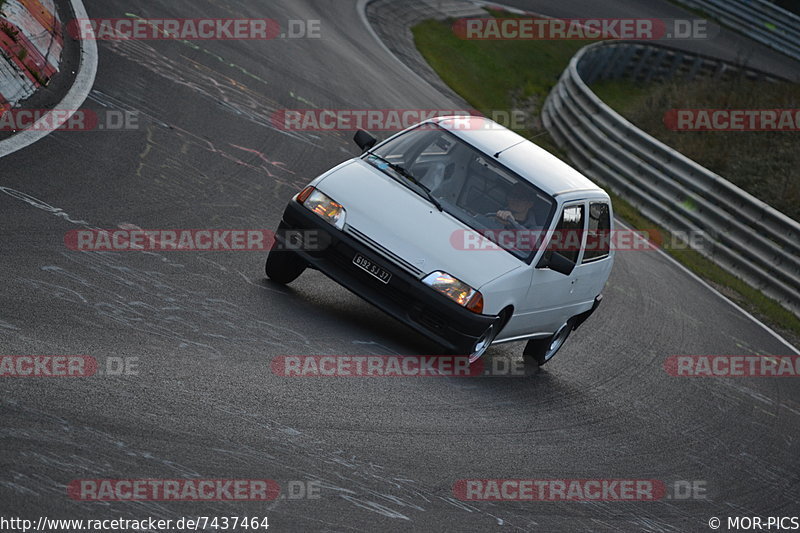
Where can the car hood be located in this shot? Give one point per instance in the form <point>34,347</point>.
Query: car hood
<point>405,227</point>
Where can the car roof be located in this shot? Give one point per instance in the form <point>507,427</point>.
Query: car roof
<point>530,161</point>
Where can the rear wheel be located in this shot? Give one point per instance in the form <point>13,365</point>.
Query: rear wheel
<point>541,351</point>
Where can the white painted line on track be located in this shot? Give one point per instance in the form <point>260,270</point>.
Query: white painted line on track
<point>711,288</point>
<point>87,71</point>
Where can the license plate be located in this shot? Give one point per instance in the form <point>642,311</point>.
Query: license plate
<point>371,268</point>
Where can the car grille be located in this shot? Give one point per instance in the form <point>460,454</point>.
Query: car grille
<point>383,252</point>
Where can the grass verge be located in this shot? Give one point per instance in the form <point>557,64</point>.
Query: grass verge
<point>736,155</point>
<point>497,75</point>
<point>513,75</point>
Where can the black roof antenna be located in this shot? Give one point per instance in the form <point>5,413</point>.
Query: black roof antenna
<point>497,155</point>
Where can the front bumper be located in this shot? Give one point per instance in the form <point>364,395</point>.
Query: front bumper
<point>404,297</point>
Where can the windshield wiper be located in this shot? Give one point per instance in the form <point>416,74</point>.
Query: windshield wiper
<point>406,174</point>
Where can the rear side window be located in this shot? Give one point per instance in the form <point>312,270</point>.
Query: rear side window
<point>598,239</point>
<point>566,239</point>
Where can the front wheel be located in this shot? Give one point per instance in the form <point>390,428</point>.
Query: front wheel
<point>488,337</point>
<point>542,350</point>
<point>284,266</point>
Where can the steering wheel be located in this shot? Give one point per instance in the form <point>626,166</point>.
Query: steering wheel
<point>493,215</point>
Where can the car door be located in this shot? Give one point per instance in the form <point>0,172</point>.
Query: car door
<point>552,297</point>
<point>594,267</point>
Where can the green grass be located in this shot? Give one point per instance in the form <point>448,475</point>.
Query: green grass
<point>497,75</point>
<point>620,94</point>
<point>508,75</point>
<point>765,164</point>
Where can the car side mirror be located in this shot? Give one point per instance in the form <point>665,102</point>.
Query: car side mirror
<point>557,263</point>
<point>364,140</point>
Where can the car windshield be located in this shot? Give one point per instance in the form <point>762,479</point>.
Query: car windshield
<point>469,185</point>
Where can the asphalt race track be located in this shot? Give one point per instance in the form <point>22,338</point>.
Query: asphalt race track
<point>204,327</point>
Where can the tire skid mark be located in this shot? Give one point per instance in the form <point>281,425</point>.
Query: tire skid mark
<point>219,58</point>
<point>177,170</point>
<point>144,301</point>
<point>180,313</point>
<point>201,79</point>
<point>353,481</point>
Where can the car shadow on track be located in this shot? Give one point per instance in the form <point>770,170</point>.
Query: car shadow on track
<point>345,320</point>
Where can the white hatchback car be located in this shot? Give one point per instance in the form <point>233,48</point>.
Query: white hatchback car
<point>461,229</point>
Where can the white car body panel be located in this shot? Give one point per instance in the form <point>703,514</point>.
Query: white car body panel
<point>407,229</point>
<point>409,226</point>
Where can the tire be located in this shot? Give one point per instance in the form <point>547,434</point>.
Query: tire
<point>541,351</point>
<point>284,266</point>
<point>488,336</point>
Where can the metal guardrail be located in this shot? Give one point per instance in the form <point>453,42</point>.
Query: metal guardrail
<point>760,20</point>
<point>742,234</point>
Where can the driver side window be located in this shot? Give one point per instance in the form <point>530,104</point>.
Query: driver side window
<point>568,234</point>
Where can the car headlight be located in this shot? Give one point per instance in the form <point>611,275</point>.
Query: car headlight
<point>456,290</point>
<point>323,205</point>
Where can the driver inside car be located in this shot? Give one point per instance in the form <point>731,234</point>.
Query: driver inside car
<point>520,213</point>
